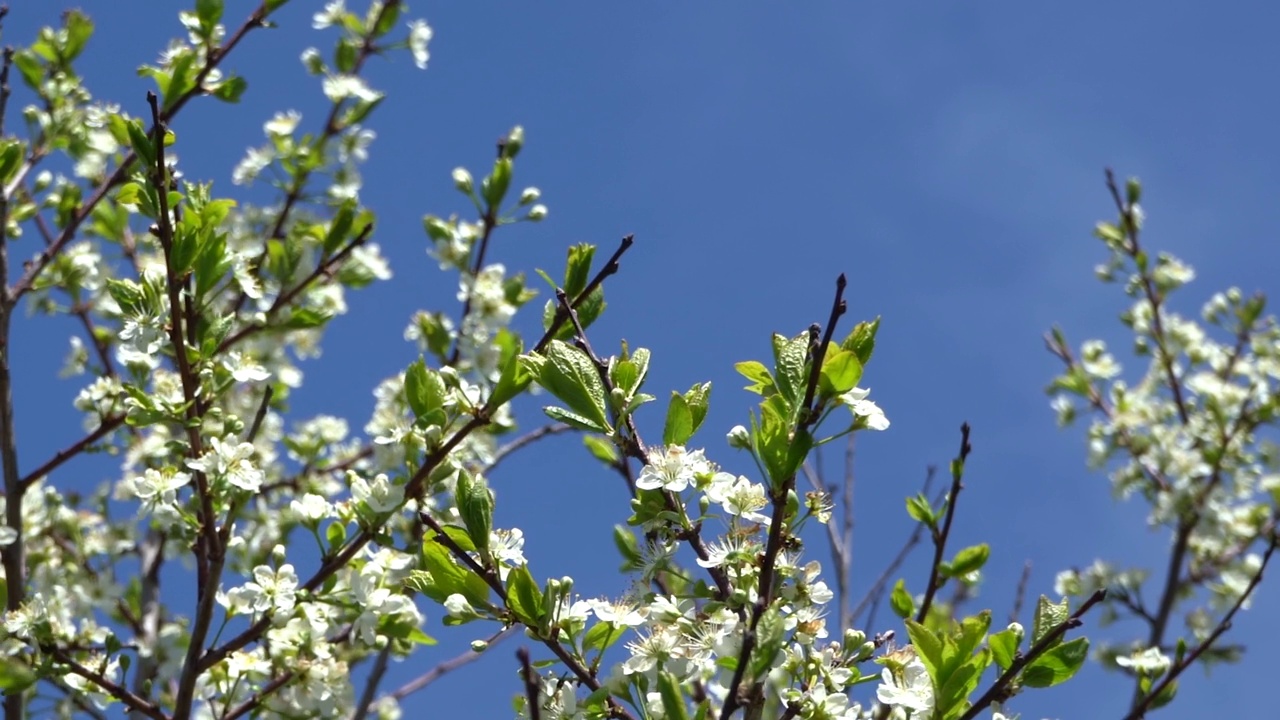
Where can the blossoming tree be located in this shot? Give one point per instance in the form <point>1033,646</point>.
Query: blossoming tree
<point>316,553</point>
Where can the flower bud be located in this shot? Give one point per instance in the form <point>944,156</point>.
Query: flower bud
<point>1016,629</point>
<point>529,196</point>
<point>536,213</point>
<point>514,141</point>
<point>479,646</point>
<point>739,438</point>
<point>462,180</point>
<point>312,61</point>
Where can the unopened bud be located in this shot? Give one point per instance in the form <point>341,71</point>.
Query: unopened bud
<point>462,180</point>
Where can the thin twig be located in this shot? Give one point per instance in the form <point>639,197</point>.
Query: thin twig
<point>809,415</point>
<point>524,441</point>
<point>1019,597</point>
<point>940,537</point>
<point>1051,639</point>
<point>877,588</point>
<point>530,683</point>
<point>27,281</point>
<point>415,484</point>
<point>451,664</point>
<point>1140,708</point>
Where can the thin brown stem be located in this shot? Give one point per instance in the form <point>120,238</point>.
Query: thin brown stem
<point>940,537</point>
<point>1051,639</point>
<point>1140,708</point>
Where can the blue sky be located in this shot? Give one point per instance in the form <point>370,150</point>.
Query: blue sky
<point>947,158</point>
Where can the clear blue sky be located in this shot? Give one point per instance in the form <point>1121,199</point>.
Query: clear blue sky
<point>948,158</point>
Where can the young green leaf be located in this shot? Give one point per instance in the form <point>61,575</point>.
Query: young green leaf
<point>900,600</point>
<point>841,372</point>
<point>698,398</point>
<point>1057,665</point>
<point>1004,646</point>
<point>862,341</point>
<point>969,560</point>
<point>569,374</point>
<point>475,505</point>
<point>424,390</point>
<point>673,706</point>
<point>601,449</point>
<point>524,597</point>
<point>789,366</point>
<point>1048,616</point>
<point>679,425</point>
<point>760,377</point>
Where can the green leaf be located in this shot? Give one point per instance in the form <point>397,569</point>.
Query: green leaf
<point>699,401</point>
<point>770,637</point>
<point>601,449</point>
<point>862,341</point>
<point>779,444</point>
<point>789,366</point>
<point>424,390</point>
<point>679,426</point>
<point>572,377</point>
<point>340,227</point>
<point>973,630</point>
<point>524,597</point>
<point>920,510</point>
<point>1166,696</point>
<point>10,158</point>
<point>15,676</point>
<point>401,630</point>
<point>494,187</point>
<point>448,577</point>
<point>624,375</point>
<point>335,535</point>
<point>387,20</point>
<point>627,546</point>
<point>209,12</point>
<point>1048,616</point>
<point>1057,665</point>
<point>969,560</point>
<point>928,646</point>
<point>900,600</point>
<point>1004,646</point>
<point>841,372</point>
<point>673,705</point>
<point>30,67</point>
<point>141,144</point>
<point>79,29</point>
<point>475,505</point>
<point>760,377</point>
<point>577,269</point>
<point>602,635</point>
<point>954,692</point>
<point>231,89</point>
<point>575,420</point>
<point>514,379</point>
<point>127,294</point>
